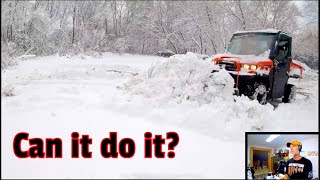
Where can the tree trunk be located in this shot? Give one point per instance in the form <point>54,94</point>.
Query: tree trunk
<point>143,45</point>
<point>73,24</point>
<point>11,33</point>
<point>106,23</point>
<point>201,44</point>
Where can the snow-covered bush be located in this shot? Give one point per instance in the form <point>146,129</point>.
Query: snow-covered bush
<point>74,50</point>
<point>6,61</point>
<point>121,45</point>
<point>310,59</point>
<point>7,55</point>
<point>7,91</point>
<point>93,54</point>
<point>182,78</point>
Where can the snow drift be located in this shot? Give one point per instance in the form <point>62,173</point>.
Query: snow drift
<point>184,87</point>
<point>182,78</point>
<point>81,94</point>
<point>185,83</point>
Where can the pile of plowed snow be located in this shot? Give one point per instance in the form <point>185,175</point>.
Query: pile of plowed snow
<point>182,78</point>
<point>184,83</point>
<point>184,87</point>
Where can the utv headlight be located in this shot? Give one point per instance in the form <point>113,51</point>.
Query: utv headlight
<point>253,67</point>
<point>246,66</point>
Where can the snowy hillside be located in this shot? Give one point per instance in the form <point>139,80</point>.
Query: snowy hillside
<point>131,94</point>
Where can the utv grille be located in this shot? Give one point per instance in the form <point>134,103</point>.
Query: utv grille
<point>229,66</point>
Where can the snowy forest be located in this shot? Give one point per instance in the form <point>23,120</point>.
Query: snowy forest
<point>145,27</point>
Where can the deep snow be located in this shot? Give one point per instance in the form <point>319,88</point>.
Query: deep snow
<point>182,78</point>
<point>54,96</point>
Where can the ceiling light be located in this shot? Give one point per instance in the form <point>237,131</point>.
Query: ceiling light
<point>272,137</point>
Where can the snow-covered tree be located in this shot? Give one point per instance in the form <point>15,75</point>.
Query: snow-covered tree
<point>146,27</point>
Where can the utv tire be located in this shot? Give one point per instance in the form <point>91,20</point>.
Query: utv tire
<point>260,94</point>
<point>289,93</point>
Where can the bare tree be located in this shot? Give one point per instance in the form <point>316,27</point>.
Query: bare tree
<point>145,27</point>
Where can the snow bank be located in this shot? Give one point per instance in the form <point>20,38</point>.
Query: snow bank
<point>306,69</point>
<point>182,78</point>
<point>184,87</point>
<point>91,103</point>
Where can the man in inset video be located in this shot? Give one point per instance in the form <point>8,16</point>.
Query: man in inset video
<point>298,167</point>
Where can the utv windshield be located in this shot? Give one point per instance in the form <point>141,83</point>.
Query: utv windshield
<point>251,43</point>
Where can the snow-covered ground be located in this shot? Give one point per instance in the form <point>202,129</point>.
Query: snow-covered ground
<point>53,96</point>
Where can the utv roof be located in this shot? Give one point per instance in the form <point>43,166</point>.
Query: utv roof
<point>259,31</point>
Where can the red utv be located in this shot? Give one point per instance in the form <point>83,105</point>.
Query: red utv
<point>261,64</point>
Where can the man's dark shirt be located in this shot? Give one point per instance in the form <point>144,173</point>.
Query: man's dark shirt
<point>301,169</point>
